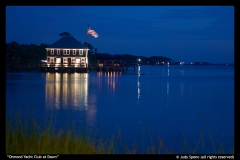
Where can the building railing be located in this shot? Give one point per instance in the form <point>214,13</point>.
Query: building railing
<point>71,65</point>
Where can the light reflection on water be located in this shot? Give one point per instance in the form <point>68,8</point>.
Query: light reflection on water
<point>70,92</point>
<point>169,97</point>
<point>167,93</point>
<point>62,89</point>
<point>138,85</point>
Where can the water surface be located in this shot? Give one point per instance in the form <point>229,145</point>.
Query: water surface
<point>163,101</point>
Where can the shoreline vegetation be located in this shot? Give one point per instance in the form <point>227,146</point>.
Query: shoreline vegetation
<point>25,136</point>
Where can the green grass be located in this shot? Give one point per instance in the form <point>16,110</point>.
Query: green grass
<point>23,137</point>
<point>27,137</point>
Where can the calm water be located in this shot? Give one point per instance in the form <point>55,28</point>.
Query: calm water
<point>163,101</point>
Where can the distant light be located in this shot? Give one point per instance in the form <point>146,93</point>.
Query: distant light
<point>43,60</point>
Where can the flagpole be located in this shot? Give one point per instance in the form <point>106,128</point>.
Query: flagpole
<point>86,36</point>
<point>86,43</point>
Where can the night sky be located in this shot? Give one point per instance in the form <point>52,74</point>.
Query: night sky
<point>182,33</point>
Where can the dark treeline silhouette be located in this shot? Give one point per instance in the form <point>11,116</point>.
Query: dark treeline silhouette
<point>23,53</point>
<point>16,53</point>
<point>132,58</point>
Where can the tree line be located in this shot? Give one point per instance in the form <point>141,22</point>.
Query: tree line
<point>24,53</point>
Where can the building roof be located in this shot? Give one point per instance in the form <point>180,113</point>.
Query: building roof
<point>67,42</point>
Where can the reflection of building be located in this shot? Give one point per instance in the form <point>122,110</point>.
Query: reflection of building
<point>66,54</point>
<point>64,90</point>
<point>70,92</point>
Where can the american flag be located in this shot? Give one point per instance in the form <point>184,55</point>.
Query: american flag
<point>92,32</point>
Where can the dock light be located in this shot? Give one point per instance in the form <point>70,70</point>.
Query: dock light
<point>139,61</point>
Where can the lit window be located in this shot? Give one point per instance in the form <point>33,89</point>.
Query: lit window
<point>51,60</point>
<point>80,52</point>
<point>52,51</point>
<point>58,60</point>
<point>66,51</point>
<point>65,60</point>
<point>73,60</point>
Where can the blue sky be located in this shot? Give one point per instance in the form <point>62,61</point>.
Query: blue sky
<point>182,33</point>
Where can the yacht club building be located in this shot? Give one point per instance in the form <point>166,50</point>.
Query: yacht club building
<point>66,54</point>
